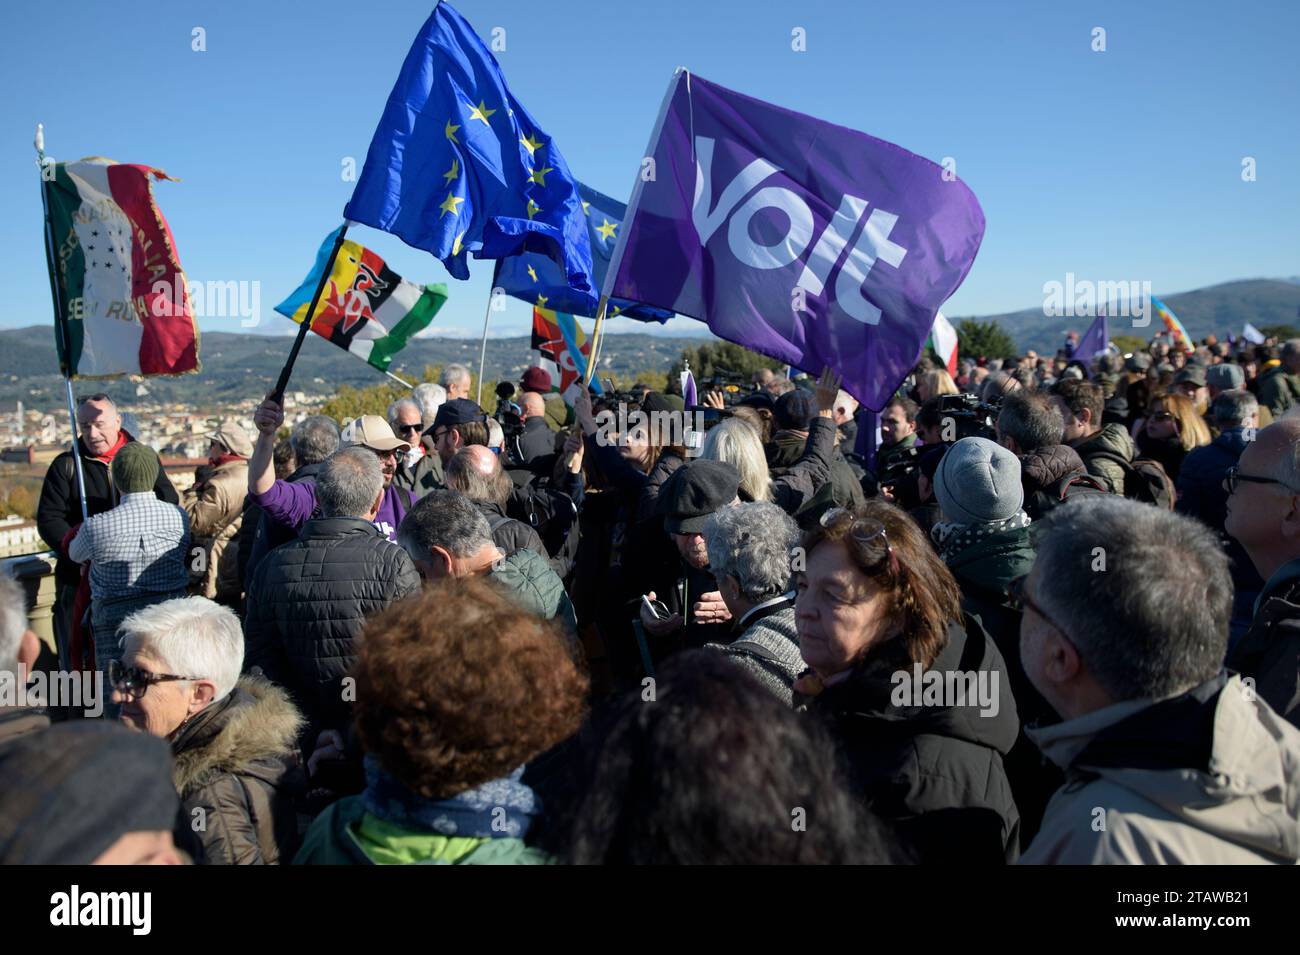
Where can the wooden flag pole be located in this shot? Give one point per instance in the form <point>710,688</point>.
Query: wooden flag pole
<point>596,335</point>
<point>305,326</point>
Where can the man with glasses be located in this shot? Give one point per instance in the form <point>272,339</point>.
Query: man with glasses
<point>1168,758</point>
<point>1263,513</point>
<point>101,437</point>
<point>419,470</point>
<point>292,505</point>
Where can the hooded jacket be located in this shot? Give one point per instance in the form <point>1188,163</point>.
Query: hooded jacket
<point>934,770</point>
<point>236,770</point>
<point>1111,439</point>
<point>216,510</point>
<point>1278,390</point>
<point>1208,777</point>
<point>1044,471</point>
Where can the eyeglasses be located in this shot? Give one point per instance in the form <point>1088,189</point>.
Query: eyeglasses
<point>1021,601</point>
<point>1234,476</point>
<point>868,533</point>
<point>135,682</point>
<point>403,428</point>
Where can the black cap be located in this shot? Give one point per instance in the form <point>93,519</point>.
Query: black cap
<point>796,409</point>
<point>694,491</point>
<point>759,399</point>
<point>71,791</point>
<point>656,401</point>
<point>458,411</point>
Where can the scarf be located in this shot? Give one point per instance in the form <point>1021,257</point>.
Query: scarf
<point>107,456</point>
<point>475,813</point>
<point>221,459</point>
<point>952,538</point>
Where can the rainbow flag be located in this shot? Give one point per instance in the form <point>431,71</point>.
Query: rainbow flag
<point>562,350</point>
<point>1172,325</point>
<point>366,308</point>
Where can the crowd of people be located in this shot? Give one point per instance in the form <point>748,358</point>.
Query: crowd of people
<point>1045,610</point>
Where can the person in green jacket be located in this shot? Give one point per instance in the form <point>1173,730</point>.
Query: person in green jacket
<point>445,747</point>
<point>1279,386</point>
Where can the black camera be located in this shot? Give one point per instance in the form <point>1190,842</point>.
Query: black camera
<point>972,418</point>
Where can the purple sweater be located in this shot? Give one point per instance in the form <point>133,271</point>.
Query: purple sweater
<point>292,505</point>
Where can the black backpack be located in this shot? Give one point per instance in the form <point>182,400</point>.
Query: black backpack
<point>1069,487</point>
<point>1145,480</point>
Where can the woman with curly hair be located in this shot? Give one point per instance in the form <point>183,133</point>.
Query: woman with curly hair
<point>456,689</point>
<point>914,690</point>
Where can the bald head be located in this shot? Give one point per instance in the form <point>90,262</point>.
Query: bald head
<point>532,405</point>
<point>1263,510</point>
<point>476,472</point>
<point>1277,449</point>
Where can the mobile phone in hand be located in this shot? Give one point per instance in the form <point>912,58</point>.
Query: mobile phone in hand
<point>656,608</point>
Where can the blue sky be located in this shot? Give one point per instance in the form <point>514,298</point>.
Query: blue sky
<point>1123,164</point>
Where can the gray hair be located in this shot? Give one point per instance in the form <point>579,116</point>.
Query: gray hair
<point>463,476</point>
<point>735,442</point>
<point>446,519</point>
<point>1284,464</point>
<point>1152,620</point>
<point>349,483</point>
<point>397,406</point>
<point>190,637</point>
<point>1031,419</point>
<point>314,439</point>
<point>430,397</point>
<point>455,372</point>
<point>1232,409</point>
<point>13,622</point>
<point>752,543</point>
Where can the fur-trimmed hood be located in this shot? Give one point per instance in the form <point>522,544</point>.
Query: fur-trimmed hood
<point>252,732</point>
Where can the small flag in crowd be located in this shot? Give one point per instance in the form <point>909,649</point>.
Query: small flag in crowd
<point>562,350</point>
<point>1094,341</point>
<point>943,339</point>
<point>120,284</point>
<point>689,395</point>
<point>366,308</point>
<point>458,165</point>
<point>1252,334</point>
<point>1172,325</point>
<point>802,240</point>
<point>539,281</point>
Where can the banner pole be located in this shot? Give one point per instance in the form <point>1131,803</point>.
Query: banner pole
<point>482,352</point>
<point>305,326</point>
<point>404,384</point>
<point>596,336</point>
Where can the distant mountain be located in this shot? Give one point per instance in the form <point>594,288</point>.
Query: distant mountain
<point>1213,310</point>
<point>239,366</point>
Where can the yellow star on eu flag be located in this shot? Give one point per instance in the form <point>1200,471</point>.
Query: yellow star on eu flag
<point>533,208</point>
<point>450,203</point>
<point>532,145</point>
<point>539,175</point>
<point>455,246</point>
<point>481,113</point>
<point>614,314</point>
<point>450,131</point>
<point>451,174</point>
<point>585,206</point>
<point>541,301</point>
<point>606,230</point>
<point>532,273</point>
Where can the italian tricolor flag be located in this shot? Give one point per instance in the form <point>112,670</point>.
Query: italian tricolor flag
<point>943,339</point>
<point>120,285</point>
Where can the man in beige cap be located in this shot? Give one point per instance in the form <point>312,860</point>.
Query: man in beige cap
<point>215,505</point>
<point>293,504</point>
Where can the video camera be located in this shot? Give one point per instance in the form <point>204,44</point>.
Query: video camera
<point>973,418</point>
<point>508,413</point>
<point>733,386</point>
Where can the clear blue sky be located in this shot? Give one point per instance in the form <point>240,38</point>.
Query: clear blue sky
<point>1117,165</point>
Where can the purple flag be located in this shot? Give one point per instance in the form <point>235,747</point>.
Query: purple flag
<point>802,240</point>
<point>1093,342</point>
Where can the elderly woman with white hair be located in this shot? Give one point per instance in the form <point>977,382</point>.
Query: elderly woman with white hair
<point>233,738</point>
<point>751,556</point>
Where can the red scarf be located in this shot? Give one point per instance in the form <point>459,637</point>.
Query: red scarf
<point>221,459</point>
<point>107,456</point>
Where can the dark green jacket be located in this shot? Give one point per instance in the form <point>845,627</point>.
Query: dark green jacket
<point>1111,439</point>
<point>528,575</point>
<point>1278,390</point>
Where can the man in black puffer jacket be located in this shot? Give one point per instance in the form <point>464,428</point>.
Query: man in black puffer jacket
<point>309,599</point>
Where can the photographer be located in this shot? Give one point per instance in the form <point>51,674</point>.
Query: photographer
<point>536,440</point>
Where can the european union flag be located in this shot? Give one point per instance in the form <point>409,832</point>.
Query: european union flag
<point>458,165</point>
<point>539,281</point>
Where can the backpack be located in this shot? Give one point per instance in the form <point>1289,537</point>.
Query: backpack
<point>1070,487</point>
<point>1145,480</point>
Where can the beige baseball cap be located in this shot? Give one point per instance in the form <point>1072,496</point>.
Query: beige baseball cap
<point>373,432</point>
<point>234,437</point>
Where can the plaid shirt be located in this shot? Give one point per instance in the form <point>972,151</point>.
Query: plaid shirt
<point>138,548</point>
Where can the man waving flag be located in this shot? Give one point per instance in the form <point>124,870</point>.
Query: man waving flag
<point>458,165</point>
<point>808,242</point>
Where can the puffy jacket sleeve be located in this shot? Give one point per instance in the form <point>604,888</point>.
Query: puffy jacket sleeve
<point>207,507</point>
<point>52,511</point>
<point>407,580</point>
<point>806,476</point>
<point>262,645</point>
<point>219,816</point>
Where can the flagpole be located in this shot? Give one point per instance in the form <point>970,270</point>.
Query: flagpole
<point>60,319</point>
<point>404,384</point>
<point>596,336</point>
<point>482,352</point>
<point>305,326</point>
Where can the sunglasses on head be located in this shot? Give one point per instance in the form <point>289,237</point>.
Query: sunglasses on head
<point>135,682</point>
<point>868,534</point>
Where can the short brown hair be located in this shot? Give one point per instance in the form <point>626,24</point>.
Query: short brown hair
<point>458,686</point>
<point>1079,394</point>
<point>922,591</point>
